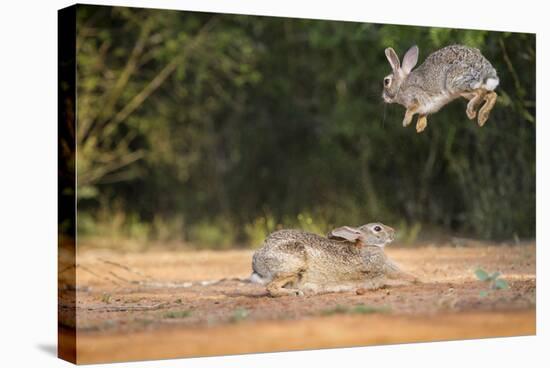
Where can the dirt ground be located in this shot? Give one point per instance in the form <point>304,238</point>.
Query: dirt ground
<point>152,305</point>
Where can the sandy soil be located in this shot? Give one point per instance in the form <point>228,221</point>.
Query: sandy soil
<point>141,306</point>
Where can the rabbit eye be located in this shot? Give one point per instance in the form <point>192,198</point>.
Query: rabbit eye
<point>377,228</point>
<point>387,81</point>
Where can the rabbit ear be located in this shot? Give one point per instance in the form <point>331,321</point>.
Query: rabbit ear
<point>393,59</point>
<point>345,232</point>
<point>410,59</point>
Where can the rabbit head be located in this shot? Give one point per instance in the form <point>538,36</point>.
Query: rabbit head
<point>376,234</point>
<point>393,81</point>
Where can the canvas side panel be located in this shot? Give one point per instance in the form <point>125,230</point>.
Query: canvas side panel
<point>66,183</point>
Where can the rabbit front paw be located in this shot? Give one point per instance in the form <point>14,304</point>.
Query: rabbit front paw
<point>421,123</point>
<point>409,115</point>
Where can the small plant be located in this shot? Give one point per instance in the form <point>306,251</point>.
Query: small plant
<point>145,321</point>
<point>257,230</point>
<point>131,300</point>
<point>106,298</point>
<point>311,223</point>
<point>177,314</point>
<point>358,309</point>
<point>369,309</point>
<point>215,234</point>
<point>494,281</point>
<point>239,314</point>
<point>339,309</point>
<point>178,301</point>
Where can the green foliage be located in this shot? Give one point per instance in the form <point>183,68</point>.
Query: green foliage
<point>257,230</point>
<point>239,314</point>
<point>369,309</point>
<point>500,284</point>
<point>309,223</point>
<point>213,234</point>
<point>494,280</point>
<point>481,274</point>
<point>217,129</point>
<point>106,298</point>
<point>167,229</point>
<point>357,309</point>
<point>112,227</point>
<point>408,233</point>
<point>339,309</point>
<point>177,314</point>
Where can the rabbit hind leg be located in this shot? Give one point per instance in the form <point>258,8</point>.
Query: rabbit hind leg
<point>371,285</point>
<point>490,100</point>
<point>277,286</point>
<point>393,272</point>
<point>474,98</point>
<point>421,123</point>
<point>383,282</point>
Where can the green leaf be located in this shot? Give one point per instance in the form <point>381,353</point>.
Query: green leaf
<point>481,274</point>
<point>339,309</point>
<point>369,309</point>
<point>87,192</point>
<point>239,314</point>
<point>177,314</point>
<point>483,293</point>
<point>501,284</point>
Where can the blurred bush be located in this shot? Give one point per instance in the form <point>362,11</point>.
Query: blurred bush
<point>197,125</point>
<point>216,234</point>
<point>257,230</point>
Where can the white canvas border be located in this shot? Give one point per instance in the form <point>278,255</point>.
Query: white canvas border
<point>29,165</point>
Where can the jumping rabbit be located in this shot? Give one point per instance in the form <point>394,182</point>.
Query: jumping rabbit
<point>295,262</point>
<point>451,72</point>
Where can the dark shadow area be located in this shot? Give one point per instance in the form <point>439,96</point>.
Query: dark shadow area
<point>289,132</point>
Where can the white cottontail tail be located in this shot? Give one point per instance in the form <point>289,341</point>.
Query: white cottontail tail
<point>451,72</point>
<point>294,262</point>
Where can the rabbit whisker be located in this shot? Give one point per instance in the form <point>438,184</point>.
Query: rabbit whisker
<point>384,116</point>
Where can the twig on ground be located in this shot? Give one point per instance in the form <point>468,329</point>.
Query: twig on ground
<point>118,308</point>
<point>127,268</point>
<point>120,277</point>
<point>158,284</point>
<point>83,268</point>
<point>186,284</point>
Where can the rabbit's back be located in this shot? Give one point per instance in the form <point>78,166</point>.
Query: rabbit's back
<point>282,251</point>
<point>318,259</point>
<point>454,69</point>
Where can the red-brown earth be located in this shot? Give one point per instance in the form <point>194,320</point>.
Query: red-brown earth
<point>134,306</point>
